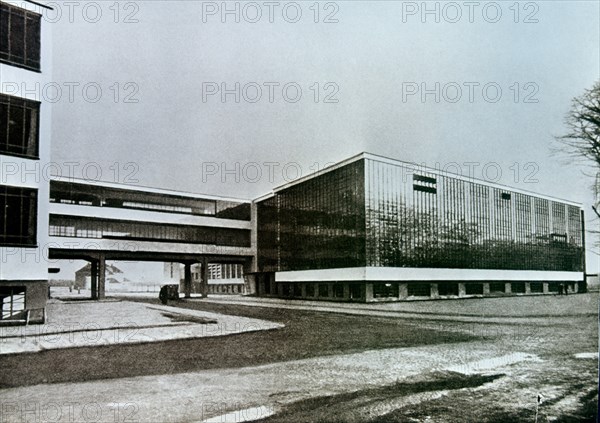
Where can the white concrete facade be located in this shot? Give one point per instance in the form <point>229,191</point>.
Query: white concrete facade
<point>27,266</point>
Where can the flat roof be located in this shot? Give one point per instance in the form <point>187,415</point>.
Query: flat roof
<point>28,1</point>
<point>144,189</point>
<point>417,168</point>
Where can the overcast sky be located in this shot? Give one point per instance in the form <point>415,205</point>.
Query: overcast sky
<point>361,80</point>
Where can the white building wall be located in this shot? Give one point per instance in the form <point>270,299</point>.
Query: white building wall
<point>29,264</point>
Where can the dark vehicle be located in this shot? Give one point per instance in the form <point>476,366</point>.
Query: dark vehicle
<point>168,292</point>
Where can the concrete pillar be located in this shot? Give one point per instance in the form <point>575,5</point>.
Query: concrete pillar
<point>346,291</point>
<point>368,292</point>
<point>94,279</point>
<point>462,290</point>
<point>402,291</point>
<point>486,288</point>
<point>101,277</point>
<point>527,288</point>
<point>204,277</point>
<point>507,288</point>
<point>545,288</point>
<point>187,280</point>
<point>435,293</point>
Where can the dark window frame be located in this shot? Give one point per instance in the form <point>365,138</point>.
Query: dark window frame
<point>30,43</point>
<point>26,215</point>
<point>29,110</point>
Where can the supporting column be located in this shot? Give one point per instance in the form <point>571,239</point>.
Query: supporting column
<point>187,280</point>
<point>94,279</point>
<point>101,277</point>
<point>486,288</point>
<point>507,288</point>
<point>527,287</point>
<point>204,277</point>
<point>402,291</point>
<point>462,290</point>
<point>368,292</point>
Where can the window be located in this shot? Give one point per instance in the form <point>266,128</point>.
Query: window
<point>448,288</point>
<point>297,290</point>
<point>18,216</point>
<point>517,287</point>
<point>497,287</point>
<point>19,123</point>
<point>338,290</point>
<point>323,290</point>
<point>419,290</point>
<point>385,290</point>
<point>474,289</point>
<point>536,286</point>
<point>356,290</point>
<point>19,37</point>
<point>12,302</point>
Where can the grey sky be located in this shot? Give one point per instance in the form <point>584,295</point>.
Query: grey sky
<point>373,54</point>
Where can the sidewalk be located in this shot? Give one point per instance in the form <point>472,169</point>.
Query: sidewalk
<point>84,324</point>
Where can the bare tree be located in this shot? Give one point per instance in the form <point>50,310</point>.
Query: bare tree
<point>582,141</point>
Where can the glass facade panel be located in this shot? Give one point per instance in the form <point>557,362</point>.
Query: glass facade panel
<point>457,223</point>
<point>387,214</point>
<point>317,224</point>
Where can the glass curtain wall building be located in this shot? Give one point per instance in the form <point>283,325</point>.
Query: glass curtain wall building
<point>373,228</point>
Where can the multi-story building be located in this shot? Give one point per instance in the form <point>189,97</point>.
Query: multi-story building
<point>25,120</point>
<point>376,229</point>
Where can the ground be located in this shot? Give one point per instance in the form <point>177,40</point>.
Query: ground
<point>478,360</point>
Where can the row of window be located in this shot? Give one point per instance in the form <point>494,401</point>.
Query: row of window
<point>418,289</point>
<point>69,226</point>
<point>99,196</point>
<point>318,290</point>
